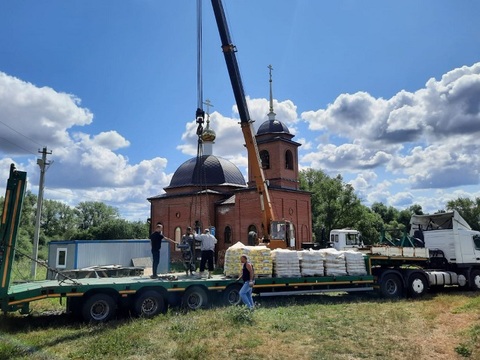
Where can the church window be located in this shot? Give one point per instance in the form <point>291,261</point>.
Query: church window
<point>252,235</point>
<point>288,160</point>
<point>265,158</point>
<point>227,235</point>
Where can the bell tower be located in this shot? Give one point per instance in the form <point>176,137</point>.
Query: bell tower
<point>278,152</point>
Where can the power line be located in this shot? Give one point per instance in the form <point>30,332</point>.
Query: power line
<point>18,132</point>
<point>18,146</point>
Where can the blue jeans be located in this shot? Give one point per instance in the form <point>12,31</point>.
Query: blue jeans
<point>246,295</point>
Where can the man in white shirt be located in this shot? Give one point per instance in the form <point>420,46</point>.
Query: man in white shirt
<point>207,247</point>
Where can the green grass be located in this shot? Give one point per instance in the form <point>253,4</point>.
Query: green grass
<point>441,326</point>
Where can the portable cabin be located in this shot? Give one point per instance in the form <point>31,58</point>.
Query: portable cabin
<point>79,254</point>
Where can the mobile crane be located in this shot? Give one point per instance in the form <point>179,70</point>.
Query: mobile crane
<point>454,258</point>
<point>277,232</point>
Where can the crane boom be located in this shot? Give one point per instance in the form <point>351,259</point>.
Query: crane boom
<point>246,123</point>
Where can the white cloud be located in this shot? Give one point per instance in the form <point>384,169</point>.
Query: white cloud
<point>86,167</point>
<point>41,115</point>
<point>430,135</point>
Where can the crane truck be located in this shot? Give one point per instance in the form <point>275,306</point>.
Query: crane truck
<point>277,232</point>
<point>454,258</point>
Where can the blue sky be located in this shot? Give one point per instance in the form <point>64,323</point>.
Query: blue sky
<point>387,94</point>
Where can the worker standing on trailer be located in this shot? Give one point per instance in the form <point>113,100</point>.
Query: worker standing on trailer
<point>248,277</point>
<point>188,251</point>
<point>207,247</point>
<point>156,241</point>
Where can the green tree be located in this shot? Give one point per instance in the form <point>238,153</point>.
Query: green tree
<point>334,203</point>
<point>120,229</point>
<point>59,221</point>
<point>469,209</point>
<point>94,213</point>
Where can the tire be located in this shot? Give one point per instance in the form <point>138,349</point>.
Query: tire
<point>475,280</point>
<point>149,304</point>
<point>99,308</point>
<point>231,295</point>
<point>195,298</point>
<point>391,286</point>
<point>417,285</point>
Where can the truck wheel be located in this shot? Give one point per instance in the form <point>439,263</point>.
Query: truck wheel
<point>231,295</point>
<point>391,286</point>
<point>417,285</point>
<point>149,304</point>
<point>195,298</point>
<point>475,280</point>
<point>99,308</point>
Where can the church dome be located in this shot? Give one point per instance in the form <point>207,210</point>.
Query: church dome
<point>272,126</point>
<point>208,134</point>
<point>210,170</point>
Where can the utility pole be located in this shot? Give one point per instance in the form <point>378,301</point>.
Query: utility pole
<point>44,164</point>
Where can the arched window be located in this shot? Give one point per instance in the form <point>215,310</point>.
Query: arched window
<point>288,160</point>
<point>198,227</point>
<point>265,158</point>
<point>252,235</point>
<point>178,236</point>
<point>227,235</point>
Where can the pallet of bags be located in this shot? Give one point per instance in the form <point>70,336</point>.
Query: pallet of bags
<point>355,263</point>
<point>334,262</point>
<point>285,263</point>
<point>311,263</point>
<point>259,257</point>
<point>233,266</point>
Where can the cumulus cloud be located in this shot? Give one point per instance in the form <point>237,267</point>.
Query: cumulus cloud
<point>28,112</point>
<point>430,135</point>
<point>86,167</point>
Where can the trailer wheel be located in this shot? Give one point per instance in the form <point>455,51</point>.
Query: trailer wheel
<point>391,286</point>
<point>231,295</point>
<point>417,285</point>
<point>99,308</point>
<point>475,280</point>
<point>149,304</point>
<point>195,298</point>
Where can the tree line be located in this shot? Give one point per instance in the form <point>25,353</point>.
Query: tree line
<point>335,205</point>
<point>87,221</point>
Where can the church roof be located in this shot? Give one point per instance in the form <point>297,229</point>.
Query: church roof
<point>209,170</point>
<point>273,126</point>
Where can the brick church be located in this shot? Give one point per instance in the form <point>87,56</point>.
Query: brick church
<point>208,191</point>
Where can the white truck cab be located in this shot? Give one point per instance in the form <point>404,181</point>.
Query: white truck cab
<point>345,239</point>
<point>449,233</point>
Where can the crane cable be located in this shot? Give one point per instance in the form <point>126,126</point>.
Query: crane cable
<point>200,171</point>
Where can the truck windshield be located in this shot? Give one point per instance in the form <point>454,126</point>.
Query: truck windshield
<point>352,239</point>
<point>476,241</point>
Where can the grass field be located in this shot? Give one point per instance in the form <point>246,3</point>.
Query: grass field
<point>439,326</point>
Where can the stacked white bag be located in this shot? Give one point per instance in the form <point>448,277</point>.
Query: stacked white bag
<point>334,262</point>
<point>259,257</point>
<point>285,263</point>
<point>355,263</point>
<point>311,263</point>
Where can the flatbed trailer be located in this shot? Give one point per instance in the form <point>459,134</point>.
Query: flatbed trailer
<point>98,299</point>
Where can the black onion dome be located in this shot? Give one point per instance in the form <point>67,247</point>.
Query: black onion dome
<point>210,170</point>
<point>272,126</point>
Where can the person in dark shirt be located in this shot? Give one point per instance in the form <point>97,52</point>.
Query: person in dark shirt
<point>248,277</point>
<point>156,241</point>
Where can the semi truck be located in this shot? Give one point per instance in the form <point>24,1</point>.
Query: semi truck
<point>453,258</point>
<point>394,271</point>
